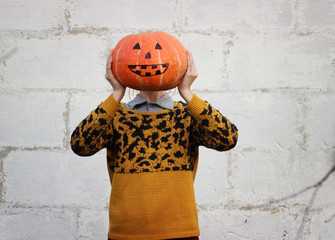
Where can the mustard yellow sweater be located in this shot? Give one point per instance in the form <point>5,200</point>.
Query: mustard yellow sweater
<point>152,161</point>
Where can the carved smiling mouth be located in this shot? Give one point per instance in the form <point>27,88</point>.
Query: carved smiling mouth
<point>149,70</point>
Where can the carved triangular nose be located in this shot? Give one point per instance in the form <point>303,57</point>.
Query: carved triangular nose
<point>148,55</point>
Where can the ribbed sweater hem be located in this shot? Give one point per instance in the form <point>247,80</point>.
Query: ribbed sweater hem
<point>155,237</point>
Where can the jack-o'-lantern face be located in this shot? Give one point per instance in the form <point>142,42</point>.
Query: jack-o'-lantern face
<point>151,69</point>
<point>150,61</point>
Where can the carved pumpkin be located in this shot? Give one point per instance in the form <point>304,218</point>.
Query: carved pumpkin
<point>150,61</point>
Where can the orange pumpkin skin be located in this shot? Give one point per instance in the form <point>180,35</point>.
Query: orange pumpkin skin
<point>150,61</point>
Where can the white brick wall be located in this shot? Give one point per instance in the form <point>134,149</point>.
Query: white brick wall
<point>232,15</point>
<point>32,119</point>
<point>269,66</point>
<point>33,223</point>
<point>125,14</point>
<point>277,60</point>
<point>56,178</point>
<point>30,14</point>
<point>40,62</point>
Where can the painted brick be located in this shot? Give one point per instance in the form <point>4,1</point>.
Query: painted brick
<point>31,14</point>
<point>66,62</point>
<point>280,61</point>
<point>208,54</point>
<point>319,123</point>
<point>235,15</point>
<point>265,120</point>
<point>325,199</point>
<point>93,224</point>
<point>211,180</point>
<point>56,178</point>
<point>122,14</point>
<point>32,119</point>
<point>321,224</point>
<point>221,223</point>
<point>256,178</point>
<point>318,14</point>
<point>37,224</point>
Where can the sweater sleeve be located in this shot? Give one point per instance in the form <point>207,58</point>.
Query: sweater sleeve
<point>95,132</point>
<point>210,128</point>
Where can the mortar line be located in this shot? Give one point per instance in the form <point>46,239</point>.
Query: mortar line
<point>77,224</point>
<point>3,154</point>
<point>176,18</point>
<point>99,31</point>
<point>67,16</point>
<point>35,148</point>
<point>296,24</point>
<point>66,118</point>
<point>11,205</point>
<point>300,117</point>
<point>255,90</point>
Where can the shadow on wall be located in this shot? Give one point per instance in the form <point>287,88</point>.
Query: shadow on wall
<point>305,218</point>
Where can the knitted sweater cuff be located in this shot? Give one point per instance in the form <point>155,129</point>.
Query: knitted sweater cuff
<point>110,105</point>
<point>196,105</point>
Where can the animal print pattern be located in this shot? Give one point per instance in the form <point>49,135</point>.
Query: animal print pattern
<point>166,140</point>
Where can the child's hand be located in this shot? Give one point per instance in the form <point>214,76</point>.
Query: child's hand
<point>118,88</point>
<point>191,74</point>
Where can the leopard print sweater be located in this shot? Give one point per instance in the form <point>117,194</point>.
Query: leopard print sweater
<point>152,160</point>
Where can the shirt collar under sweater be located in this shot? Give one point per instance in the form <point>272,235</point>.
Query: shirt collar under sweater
<point>139,103</point>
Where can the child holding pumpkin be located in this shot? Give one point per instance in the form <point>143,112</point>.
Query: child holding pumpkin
<point>152,156</point>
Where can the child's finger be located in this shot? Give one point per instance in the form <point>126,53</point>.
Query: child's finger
<point>191,60</point>
<point>191,64</point>
<point>109,61</point>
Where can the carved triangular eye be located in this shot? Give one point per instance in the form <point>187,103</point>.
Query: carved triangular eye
<point>137,46</point>
<point>158,46</point>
